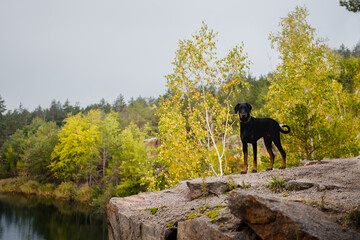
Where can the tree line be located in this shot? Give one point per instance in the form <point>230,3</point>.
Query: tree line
<point>314,89</point>
<point>137,110</point>
<point>69,143</point>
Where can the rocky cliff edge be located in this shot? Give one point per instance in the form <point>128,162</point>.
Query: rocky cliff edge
<point>320,200</point>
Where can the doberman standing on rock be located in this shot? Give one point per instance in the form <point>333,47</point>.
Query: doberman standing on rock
<point>252,129</point>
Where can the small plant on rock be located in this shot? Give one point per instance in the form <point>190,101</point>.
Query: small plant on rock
<point>244,185</point>
<point>276,184</point>
<point>322,202</point>
<point>204,187</point>
<point>231,183</point>
<point>353,217</point>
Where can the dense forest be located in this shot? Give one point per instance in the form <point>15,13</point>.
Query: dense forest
<point>145,144</point>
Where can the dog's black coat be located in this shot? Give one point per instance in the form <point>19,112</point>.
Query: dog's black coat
<point>252,129</point>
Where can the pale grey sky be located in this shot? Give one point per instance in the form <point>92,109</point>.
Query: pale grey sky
<point>85,50</point>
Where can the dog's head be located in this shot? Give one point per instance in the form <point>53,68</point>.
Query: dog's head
<point>244,110</point>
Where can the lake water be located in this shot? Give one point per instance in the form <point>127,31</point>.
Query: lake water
<point>23,218</point>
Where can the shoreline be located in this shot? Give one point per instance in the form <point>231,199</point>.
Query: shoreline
<point>67,192</point>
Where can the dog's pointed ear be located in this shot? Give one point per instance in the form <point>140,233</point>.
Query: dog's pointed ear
<point>249,106</point>
<point>237,107</point>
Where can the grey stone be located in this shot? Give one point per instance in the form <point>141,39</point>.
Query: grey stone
<point>297,185</point>
<point>130,218</point>
<point>276,219</point>
<point>198,188</point>
<point>122,224</point>
<point>202,229</point>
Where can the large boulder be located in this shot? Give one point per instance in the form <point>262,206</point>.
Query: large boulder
<point>202,229</point>
<point>276,219</point>
<point>172,214</point>
<point>212,186</point>
<point>203,208</point>
<point>125,223</point>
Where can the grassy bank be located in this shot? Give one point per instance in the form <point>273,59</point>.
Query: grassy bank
<point>96,197</point>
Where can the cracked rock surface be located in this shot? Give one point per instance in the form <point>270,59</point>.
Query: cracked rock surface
<point>331,189</point>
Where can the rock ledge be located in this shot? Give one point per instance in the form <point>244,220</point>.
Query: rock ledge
<point>315,203</point>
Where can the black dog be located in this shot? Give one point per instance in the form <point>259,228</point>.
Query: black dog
<point>252,129</point>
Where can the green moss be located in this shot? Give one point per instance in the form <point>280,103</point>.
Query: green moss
<point>293,188</point>
<point>154,210</point>
<point>193,215</point>
<point>171,225</point>
<point>202,209</point>
<point>219,206</point>
<point>284,194</point>
<point>214,213</point>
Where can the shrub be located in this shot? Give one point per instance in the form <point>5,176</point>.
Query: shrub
<point>30,187</point>
<point>66,191</point>
<point>244,185</point>
<point>12,184</point>
<point>83,193</point>
<point>128,187</point>
<point>3,184</point>
<point>47,189</point>
<point>100,197</point>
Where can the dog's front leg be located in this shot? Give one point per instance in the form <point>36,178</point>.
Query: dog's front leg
<point>245,151</point>
<point>255,161</point>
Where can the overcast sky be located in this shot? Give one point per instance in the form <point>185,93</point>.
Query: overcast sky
<point>85,50</point>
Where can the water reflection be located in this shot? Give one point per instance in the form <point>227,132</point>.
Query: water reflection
<point>24,218</point>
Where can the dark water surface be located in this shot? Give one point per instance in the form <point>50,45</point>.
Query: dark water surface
<point>23,218</point>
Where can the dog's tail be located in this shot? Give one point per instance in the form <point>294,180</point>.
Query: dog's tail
<point>284,131</point>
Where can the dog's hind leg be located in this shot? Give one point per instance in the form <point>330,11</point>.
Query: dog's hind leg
<point>245,151</point>
<point>281,150</point>
<point>268,141</point>
<point>255,156</point>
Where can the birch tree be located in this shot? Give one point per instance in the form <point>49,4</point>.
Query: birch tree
<point>196,118</point>
<point>304,93</point>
